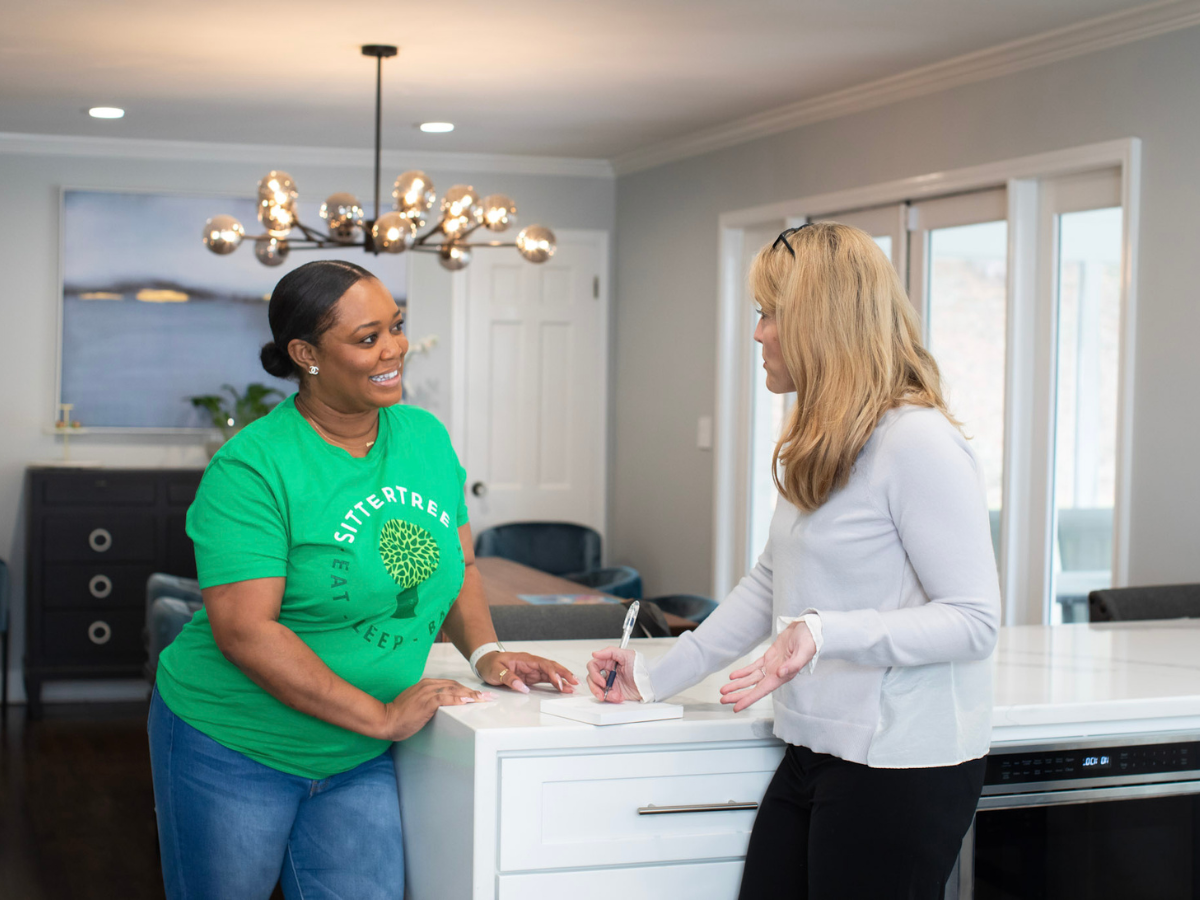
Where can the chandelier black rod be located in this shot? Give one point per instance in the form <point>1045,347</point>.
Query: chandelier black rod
<point>378,125</point>
<point>312,234</point>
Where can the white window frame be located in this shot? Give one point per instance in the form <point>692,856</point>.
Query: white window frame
<point>1029,403</point>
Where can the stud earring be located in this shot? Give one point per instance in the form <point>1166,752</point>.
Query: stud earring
<point>313,370</point>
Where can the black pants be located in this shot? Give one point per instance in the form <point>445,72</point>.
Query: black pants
<point>828,829</point>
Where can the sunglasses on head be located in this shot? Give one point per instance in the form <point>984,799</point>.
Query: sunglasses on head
<point>785,234</point>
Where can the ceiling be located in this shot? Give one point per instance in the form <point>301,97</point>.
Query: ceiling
<point>568,78</point>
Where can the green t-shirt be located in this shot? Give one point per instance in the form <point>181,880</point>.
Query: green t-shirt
<point>373,563</point>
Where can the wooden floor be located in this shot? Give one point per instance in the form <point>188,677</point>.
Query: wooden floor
<point>77,806</point>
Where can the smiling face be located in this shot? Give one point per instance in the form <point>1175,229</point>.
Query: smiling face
<point>779,380</point>
<point>361,355</point>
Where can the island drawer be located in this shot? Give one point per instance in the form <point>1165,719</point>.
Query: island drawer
<point>631,808</point>
<point>695,881</point>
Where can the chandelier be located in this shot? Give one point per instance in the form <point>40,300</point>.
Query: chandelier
<point>461,213</point>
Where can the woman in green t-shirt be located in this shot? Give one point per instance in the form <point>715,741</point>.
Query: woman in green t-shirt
<point>332,545</point>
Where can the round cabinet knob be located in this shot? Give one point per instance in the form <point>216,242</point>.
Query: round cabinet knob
<point>99,632</point>
<point>479,489</point>
<point>100,586</point>
<point>100,540</point>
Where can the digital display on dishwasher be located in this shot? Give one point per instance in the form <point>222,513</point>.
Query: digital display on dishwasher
<point>1091,762</point>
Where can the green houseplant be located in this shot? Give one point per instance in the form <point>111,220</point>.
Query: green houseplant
<point>230,414</point>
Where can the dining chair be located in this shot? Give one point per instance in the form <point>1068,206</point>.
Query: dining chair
<point>554,547</point>
<point>620,581</point>
<point>1158,601</point>
<point>686,606</point>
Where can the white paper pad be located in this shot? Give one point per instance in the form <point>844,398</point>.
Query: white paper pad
<point>596,712</point>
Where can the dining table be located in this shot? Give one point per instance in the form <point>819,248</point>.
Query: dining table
<point>504,581</point>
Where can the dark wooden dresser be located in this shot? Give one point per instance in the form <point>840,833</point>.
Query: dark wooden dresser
<point>94,536</point>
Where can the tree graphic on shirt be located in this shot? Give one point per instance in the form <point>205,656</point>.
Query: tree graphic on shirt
<point>410,555</point>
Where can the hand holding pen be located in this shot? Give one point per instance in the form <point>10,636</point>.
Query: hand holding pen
<point>610,671</point>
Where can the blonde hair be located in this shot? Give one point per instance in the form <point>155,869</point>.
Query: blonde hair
<point>852,346</point>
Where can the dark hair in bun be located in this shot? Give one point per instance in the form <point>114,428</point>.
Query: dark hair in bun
<point>303,307</point>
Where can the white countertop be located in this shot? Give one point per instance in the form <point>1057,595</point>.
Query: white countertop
<point>1109,678</point>
<point>1051,683</point>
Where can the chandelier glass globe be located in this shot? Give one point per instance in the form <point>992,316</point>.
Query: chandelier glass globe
<point>394,233</point>
<point>344,215</point>
<point>277,196</point>
<point>223,234</point>
<point>499,212</point>
<point>454,256</point>
<point>536,243</point>
<point>270,250</point>
<point>414,195</point>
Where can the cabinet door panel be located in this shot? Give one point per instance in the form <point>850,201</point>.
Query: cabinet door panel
<point>93,637</point>
<point>98,585</point>
<point>99,489</point>
<point>99,536</point>
<point>698,881</point>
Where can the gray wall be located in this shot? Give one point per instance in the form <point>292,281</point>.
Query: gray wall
<point>29,195</point>
<point>662,493</point>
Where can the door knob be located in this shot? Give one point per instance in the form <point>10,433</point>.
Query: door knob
<point>479,489</point>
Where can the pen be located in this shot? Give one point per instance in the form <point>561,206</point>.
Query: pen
<point>626,631</point>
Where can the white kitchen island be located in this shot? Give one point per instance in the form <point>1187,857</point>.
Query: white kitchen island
<point>500,800</point>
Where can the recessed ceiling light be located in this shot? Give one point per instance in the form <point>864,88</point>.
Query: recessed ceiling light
<point>106,112</point>
<point>437,127</point>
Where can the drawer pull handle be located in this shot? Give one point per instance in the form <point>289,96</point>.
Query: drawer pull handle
<point>99,632</point>
<point>653,810</point>
<point>100,540</point>
<point>100,586</point>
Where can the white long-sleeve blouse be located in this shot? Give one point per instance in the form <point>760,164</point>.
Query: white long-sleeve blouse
<point>898,566</point>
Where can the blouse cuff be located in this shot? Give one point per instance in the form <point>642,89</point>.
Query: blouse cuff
<point>641,678</point>
<point>812,619</point>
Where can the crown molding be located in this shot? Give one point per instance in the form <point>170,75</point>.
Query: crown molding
<point>263,154</point>
<point>1100,33</point>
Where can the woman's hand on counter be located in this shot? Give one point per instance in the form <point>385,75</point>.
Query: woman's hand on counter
<point>408,713</point>
<point>791,652</point>
<point>519,670</point>
<point>602,662</point>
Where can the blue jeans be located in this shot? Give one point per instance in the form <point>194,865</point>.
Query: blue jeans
<point>229,827</point>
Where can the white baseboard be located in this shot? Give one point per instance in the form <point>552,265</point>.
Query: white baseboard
<point>80,691</point>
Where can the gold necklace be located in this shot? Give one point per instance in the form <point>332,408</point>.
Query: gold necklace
<point>321,431</point>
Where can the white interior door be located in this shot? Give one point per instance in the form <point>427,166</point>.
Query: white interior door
<point>531,355</point>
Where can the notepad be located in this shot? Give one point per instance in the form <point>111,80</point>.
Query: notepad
<point>596,712</point>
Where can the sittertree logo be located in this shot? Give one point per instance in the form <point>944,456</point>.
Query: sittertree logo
<point>410,555</point>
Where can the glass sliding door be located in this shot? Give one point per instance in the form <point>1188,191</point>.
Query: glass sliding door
<point>1087,363</point>
<point>887,225</point>
<point>1022,293</point>
<point>958,281</point>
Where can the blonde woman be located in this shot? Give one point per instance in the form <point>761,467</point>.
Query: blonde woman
<point>878,583</point>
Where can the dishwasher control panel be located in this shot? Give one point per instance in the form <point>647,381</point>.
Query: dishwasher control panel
<point>1091,762</point>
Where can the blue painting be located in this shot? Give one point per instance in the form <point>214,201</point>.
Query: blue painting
<point>150,317</point>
